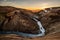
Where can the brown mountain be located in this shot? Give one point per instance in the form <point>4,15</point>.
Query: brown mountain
<point>15,19</point>
<point>50,19</point>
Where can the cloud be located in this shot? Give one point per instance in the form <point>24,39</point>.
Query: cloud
<point>30,3</point>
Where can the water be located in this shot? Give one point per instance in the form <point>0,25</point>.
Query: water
<point>41,32</point>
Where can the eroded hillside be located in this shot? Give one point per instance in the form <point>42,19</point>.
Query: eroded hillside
<point>50,19</point>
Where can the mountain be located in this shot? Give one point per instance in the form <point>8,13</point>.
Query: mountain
<point>17,19</point>
<point>50,17</point>
<point>7,9</point>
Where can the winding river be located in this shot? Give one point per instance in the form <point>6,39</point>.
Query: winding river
<point>41,32</point>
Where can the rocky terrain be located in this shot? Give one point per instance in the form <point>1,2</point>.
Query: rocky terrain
<point>19,20</point>
<point>11,17</point>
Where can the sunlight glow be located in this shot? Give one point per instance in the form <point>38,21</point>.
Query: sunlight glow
<point>44,5</point>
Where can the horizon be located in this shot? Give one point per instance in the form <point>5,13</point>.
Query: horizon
<point>30,4</point>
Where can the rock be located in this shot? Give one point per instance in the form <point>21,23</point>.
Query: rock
<point>18,21</point>
<point>50,18</point>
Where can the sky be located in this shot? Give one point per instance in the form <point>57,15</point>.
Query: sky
<point>30,4</point>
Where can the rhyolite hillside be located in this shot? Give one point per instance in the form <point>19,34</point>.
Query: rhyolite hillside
<point>15,19</point>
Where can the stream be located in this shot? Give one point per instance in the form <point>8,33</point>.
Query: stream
<point>41,31</point>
